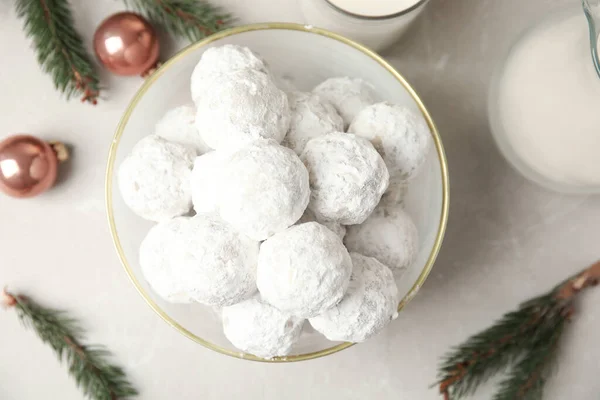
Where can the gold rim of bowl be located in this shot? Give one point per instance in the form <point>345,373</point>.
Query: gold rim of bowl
<point>234,31</point>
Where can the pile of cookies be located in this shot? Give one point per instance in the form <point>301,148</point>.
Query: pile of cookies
<point>278,207</point>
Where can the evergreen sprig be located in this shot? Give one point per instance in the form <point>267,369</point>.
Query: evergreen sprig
<point>90,367</point>
<point>523,342</point>
<point>193,19</point>
<point>60,49</point>
<point>527,377</point>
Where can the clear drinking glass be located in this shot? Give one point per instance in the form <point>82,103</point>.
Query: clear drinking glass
<point>591,9</point>
<point>375,32</point>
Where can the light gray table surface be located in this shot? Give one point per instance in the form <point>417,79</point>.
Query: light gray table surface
<point>507,239</point>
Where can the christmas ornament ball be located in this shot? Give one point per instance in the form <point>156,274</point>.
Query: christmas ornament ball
<point>28,165</point>
<point>126,44</point>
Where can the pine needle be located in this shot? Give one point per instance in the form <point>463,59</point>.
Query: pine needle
<point>193,19</point>
<point>60,49</point>
<point>89,366</point>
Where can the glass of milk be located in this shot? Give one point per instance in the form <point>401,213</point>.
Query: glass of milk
<point>374,23</point>
<point>544,104</point>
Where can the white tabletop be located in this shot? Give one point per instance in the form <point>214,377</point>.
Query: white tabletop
<point>507,239</point>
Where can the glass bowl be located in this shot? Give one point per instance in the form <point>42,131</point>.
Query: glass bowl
<point>305,56</point>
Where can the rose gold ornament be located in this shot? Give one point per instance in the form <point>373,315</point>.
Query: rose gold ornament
<point>28,165</point>
<point>126,44</point>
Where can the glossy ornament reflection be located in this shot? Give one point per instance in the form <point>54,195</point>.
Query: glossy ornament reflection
<point>28,165</point>
<point>126,44</point>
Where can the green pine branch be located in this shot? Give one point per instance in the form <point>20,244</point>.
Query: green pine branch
<point>488,352</point>
<point>90,367</point>
<point>523,342</point>
<point>60,49</point>
<point>193,19</point>
<point>527,378</point>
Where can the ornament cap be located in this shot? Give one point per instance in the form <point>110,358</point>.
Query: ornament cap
<point>61,150</point>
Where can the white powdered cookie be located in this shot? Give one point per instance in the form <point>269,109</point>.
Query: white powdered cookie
<point>367,307</point>
<point>220,60</point>
<point>401,136</point>
<point>303,270</point>
<point>312,116</point>
<point>348,95</point>
<point>154,179</point>
<point>200,259</point>
<point>389,235</point>
<point>264,189</point>
<point>240,107</point>
<point>177,125</point>
<point>258,328</point>
<point>347,177</point>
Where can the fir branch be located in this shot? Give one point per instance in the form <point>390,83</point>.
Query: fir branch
<point>527,378</point>
<point>60,49</point>
<point>525,339</point>
<point>194,19</point>
<point>488,352</point>
<point>89,365</point>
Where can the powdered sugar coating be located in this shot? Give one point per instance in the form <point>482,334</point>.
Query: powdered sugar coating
<point>347,177</point>
<point>240,107</point>
<point>303,270</point>
<point>348,95</point>
<point>154,180</point>
<point>401,136</point>
<point>199,259</point>
<point>177,125</point>
<point>367,307</point>
<point>205,180</point>
<point>389,235</point>
<point>220,60</point>
<point>264,189</point>
<point>336,228</point>
<point>258,328</point>
<point>312,116</point>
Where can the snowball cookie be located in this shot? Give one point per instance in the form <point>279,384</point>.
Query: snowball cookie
<point>336,228</point>
<point>154,179</point>
<point>205,181</point>
<point>367,307</point>
<point>222,60</point>
<point>347,177</point>
<point>241,107</point>
<point>400,135</point>
<point>312,116</point>
<point>258,328</point>
<point>389,235</point>
<point>177,125</point>
<point>199,258</point>
<point>348,95</point>
<point>263,190</point>
<point>303,270</point>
